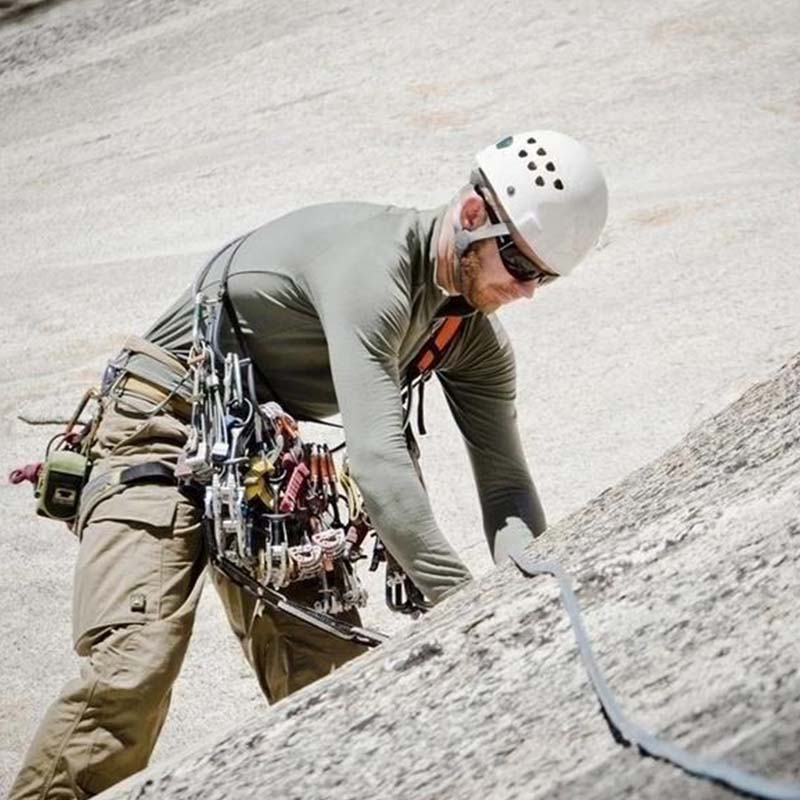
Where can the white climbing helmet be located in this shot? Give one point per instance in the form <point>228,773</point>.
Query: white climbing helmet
<point>551,191</point>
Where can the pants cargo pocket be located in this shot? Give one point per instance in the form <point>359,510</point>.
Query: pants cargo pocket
<point>137,562</point>
<point>123,432</point>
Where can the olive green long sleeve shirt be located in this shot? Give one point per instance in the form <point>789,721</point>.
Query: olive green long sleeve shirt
<point>334,302</point>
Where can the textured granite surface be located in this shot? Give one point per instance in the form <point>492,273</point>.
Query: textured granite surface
<point>688,575</point>
<point>136,136</point>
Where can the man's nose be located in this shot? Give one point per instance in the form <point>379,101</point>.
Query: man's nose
<point>528,288</point>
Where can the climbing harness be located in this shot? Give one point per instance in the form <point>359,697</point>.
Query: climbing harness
<point>626,732</point>
<point>272,503</point>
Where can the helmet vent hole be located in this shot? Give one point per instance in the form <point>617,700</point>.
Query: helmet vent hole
<point>540,181</point>
<point>531,165</point>
<point>531,140</point>
<point>558,184</point>
<point>550,166</point>
<point>541,152</point>
<point>523,153</point>
<point>511,191</point>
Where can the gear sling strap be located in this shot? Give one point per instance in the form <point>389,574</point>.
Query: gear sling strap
<point>425,363</point>
<point>430,355</point>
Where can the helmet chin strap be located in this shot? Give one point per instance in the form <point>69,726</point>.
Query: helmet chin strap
<point>464,238</point>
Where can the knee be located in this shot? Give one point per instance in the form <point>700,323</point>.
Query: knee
<point>132,668</point>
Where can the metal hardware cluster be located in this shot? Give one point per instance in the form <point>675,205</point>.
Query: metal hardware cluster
<point>271,502</point>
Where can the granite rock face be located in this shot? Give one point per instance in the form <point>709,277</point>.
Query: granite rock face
<point>687,573</point>
<point>138,136</point>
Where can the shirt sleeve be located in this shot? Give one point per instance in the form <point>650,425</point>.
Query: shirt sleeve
<point>364,327</point>
<point>479,382</point>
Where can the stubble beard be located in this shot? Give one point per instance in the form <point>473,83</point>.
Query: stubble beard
<point>471,291</point>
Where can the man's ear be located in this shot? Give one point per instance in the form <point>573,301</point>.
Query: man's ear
<point>473,212</point>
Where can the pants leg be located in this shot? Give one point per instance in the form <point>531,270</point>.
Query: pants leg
<point>104,724</point>
<point>137,584</point>
<point>285,653</point>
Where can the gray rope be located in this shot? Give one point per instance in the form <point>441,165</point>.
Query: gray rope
<point>626,732</point>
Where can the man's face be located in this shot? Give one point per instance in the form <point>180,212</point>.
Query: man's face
<point>485,282</point>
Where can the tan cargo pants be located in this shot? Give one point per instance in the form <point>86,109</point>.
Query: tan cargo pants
<point>137,584</point>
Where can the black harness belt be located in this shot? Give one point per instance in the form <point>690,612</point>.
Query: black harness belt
<point>150,471</point>
<point>109,483</point>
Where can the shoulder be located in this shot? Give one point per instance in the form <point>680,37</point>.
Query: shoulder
<point>307,232</point>
<point>366,253</point>
<point>343,216</point>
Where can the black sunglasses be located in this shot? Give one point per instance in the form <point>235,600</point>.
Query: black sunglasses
<point>517,264</point>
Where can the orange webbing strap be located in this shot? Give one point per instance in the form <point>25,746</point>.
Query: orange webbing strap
<point>437,345</point>
<point>431,353</point>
